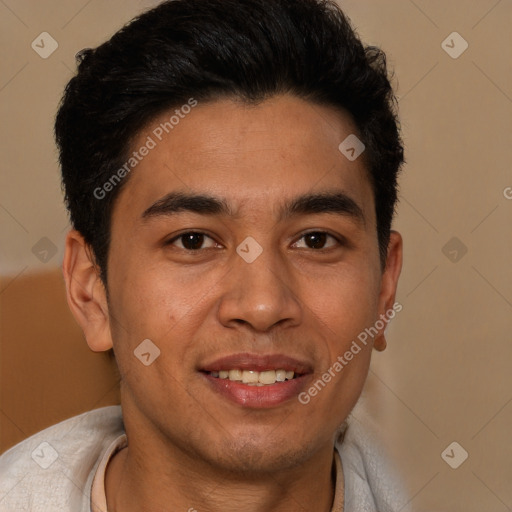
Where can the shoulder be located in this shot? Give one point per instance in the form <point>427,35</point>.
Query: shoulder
<point>53,469</point>
<point>372,482</point>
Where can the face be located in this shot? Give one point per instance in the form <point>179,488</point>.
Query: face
<point>274,270</point>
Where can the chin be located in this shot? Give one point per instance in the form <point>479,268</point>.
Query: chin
<point>253,455</point>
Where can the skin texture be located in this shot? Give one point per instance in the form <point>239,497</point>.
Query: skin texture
<point>189,446</point>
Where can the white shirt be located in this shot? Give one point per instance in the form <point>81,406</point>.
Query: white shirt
<point>62,468</point>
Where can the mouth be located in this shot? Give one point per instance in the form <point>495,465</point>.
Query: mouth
<point>257,381</point>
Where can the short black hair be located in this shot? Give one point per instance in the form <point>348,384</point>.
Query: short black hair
<point>248,50</point>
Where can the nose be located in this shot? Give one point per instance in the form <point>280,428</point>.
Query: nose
<point>260,294</point>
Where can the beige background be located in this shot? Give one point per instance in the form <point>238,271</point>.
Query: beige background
<point>446,373</point>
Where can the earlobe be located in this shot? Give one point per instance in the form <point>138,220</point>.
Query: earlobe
<point>389,283</point>
<point>380,342</point>
<point>86,294</point>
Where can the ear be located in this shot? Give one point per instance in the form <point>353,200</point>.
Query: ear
<point>86,293</point>
<point>389,283</point>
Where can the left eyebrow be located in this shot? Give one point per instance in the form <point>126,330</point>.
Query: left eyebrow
<point>337,203</point>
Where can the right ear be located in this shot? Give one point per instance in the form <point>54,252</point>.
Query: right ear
<point>86,293</point>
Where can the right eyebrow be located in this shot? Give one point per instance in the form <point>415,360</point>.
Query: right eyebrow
<point>175,202</point>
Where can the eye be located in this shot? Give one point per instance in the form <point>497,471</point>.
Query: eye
<point>318,239</point>
<point>191,241</point>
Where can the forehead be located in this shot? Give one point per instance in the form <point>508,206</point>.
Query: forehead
<point>253,155</point>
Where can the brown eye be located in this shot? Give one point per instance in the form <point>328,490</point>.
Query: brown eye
<point>318,239</point>
<point>192,241</point>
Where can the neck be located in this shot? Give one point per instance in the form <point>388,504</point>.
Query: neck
<point>139,479</point>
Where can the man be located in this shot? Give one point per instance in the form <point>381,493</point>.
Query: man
<point>230,171</point>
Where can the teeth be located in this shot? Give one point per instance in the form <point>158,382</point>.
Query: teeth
<point>235,374</point>
<point>248,377</point>
<point>268,377</point>
<point>253,378</point>
<point>280,375</point>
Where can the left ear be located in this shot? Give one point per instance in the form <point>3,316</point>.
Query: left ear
<point>389,283</point>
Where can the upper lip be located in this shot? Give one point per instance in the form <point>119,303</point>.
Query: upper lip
<point>258,362</point>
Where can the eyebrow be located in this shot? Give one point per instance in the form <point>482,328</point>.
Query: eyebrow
<point>337,203</point>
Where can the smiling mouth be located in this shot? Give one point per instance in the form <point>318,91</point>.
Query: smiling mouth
<point>255,378</point>
<point>257,381</point>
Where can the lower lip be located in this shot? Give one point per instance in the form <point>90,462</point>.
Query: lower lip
<point>257,397</point>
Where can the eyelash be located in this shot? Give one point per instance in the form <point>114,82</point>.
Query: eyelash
<point>340,242</point>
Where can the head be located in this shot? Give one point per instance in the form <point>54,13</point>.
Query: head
<point>215,215</point>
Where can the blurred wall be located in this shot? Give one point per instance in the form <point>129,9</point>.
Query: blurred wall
<point>445,376</point>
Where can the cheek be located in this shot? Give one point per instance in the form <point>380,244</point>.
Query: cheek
<point>159,303</point>
<point>345,303</point>
<point>147,307</point>
<point>142,291</point>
